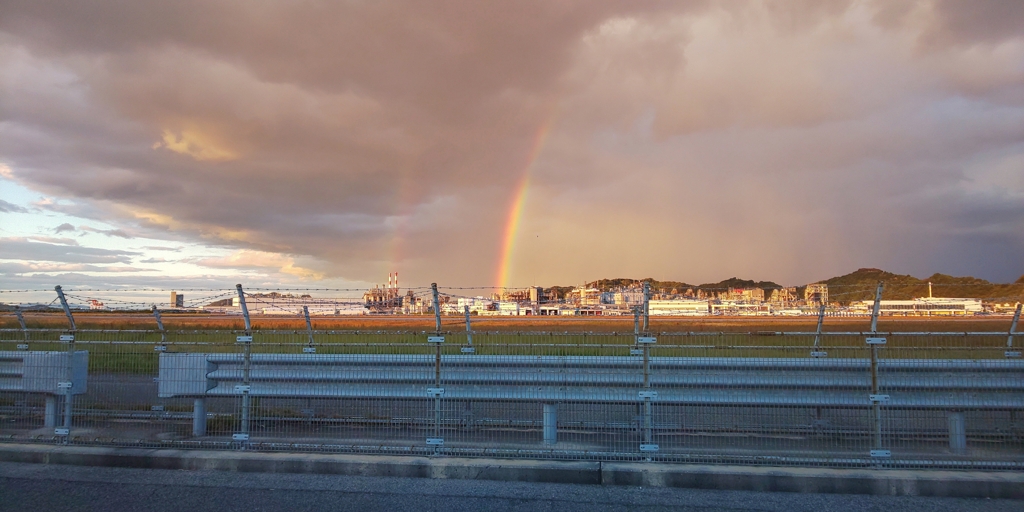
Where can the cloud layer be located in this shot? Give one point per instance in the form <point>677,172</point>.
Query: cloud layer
<point>781,140</point>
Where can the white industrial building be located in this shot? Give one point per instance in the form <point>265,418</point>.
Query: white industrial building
<point>292,306</point>
<point>679,307</point>
<point>925,306</point>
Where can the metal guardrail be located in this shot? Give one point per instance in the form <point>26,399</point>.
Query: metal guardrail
<point>944,385</point>
<point>46,373</point>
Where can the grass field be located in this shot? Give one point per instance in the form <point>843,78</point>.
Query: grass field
<point>620,324</point>
<point>122,343</point>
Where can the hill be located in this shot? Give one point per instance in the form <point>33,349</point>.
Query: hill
<point>857,285</point>
<point>860,285</point>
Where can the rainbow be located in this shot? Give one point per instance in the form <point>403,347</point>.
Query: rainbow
<point>515,213</point>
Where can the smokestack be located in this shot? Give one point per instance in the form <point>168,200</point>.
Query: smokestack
<point>396,280</point>
<point>389,280</point>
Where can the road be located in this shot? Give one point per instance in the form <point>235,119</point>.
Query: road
<point>72,488</point>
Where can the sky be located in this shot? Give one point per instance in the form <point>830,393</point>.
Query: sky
<point>507,143</point>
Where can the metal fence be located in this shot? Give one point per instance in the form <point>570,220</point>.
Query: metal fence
<point>925,400</point>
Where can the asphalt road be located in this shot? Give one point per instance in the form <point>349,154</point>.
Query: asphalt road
<point>58,488</point>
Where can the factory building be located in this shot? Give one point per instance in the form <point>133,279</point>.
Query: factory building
<point>816,294</point>
<point>925,306</point>
<point>679,307</point>
<point>384,299</point>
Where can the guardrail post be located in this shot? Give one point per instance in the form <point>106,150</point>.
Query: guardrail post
<point>550,423</point>
<point>957,433</point>
<point>1013,330</point>
<point>246,342</point>
<point>65,429</point>
<point>875,397</point>
<point>199,417</point>
<point>50,412</point>
<point>437,391</point>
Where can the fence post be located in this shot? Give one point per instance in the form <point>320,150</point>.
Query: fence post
<point>817,335</point>
<point>163,332</point>
<point>647,306</point>
<point>469,335</point>
<point>1013,330</point>
<point>24,328</point>
<point>645,341</point>
<point>437,391</point>
<point>65,430</point>
<point>310,349</point>
<point>875,397</point>
<point>245,388</point>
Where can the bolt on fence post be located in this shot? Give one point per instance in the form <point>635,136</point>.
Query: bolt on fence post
<point>437,340</point>
<point>246,342</point>
<point>1013,331</point>
<point>65,430</point>
<point>876,399</point>
<point>817,334</point>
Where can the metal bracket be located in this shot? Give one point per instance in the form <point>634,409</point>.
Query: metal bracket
<point>648,447</point>
<point>435,392</point>
<point>467,350</point>
<point>239,437</point>
<point>878,398</point>
<point>648,394</point>
<point>436,441</point>
<point>67,337</point>
<point>242,388</point>
<point>22,346</point>
<point>646,340</point>
<point>881,454</point>
<point>819,353</point>
<point>64,385</point>
<point>636,351</point>
<point>244,339</point>
<point>61,431</point>
<point>1012,354</point>
<point>875,341</point>
<point>435,339</point>
<point>160,348</point>
<point>309,350</point>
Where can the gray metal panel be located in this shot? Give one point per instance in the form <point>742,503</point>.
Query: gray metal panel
<point>184,375</point>
<point>39,372</point>
<point>782,382</point>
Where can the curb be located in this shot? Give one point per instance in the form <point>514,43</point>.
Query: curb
<point>959,484</point>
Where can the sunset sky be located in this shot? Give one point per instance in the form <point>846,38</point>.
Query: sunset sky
<point>492,143</point>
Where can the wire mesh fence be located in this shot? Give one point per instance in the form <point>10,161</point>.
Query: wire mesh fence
<point>939,399</point>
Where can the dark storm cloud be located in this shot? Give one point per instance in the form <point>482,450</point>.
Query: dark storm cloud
<point>385,136</point>
<point>64,228</point>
